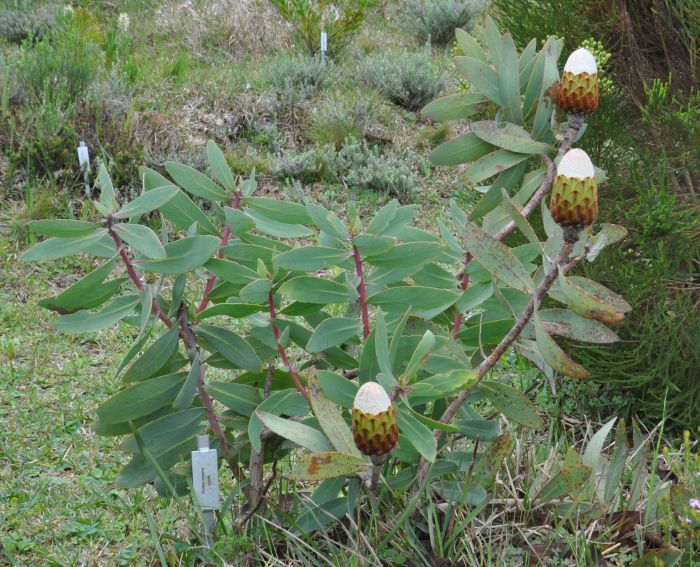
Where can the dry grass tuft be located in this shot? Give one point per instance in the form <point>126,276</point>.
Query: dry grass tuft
<point>237,28</point>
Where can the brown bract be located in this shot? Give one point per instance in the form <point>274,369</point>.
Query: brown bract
<point>574,201</point>
<point>375,434</point>
<point>577,93</point>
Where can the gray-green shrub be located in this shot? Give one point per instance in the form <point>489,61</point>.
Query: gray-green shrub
<point>364,167</point>
<point>316,164</point>
<point>18,25</point>
<point>436,20</point>
<point>358,165</point>
<point>297,77</point>
<point>337,119</point>
<point>407,79</point>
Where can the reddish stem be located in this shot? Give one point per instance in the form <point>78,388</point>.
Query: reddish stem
<point>280,348</point>
<point>463,285</point>
<point>132,271</point>
<point>490,361</point>
<point>457,325</point>
<point>362,290</point>
<point>235,204</point>
<point>191,343</point>
<point>534,201</point>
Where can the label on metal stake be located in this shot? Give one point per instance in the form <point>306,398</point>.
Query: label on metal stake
<point>83,155</point>
<point>205,475</point>
<point>324,41</point>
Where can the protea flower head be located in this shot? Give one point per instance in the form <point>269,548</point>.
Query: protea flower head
<point>574,203</point>
<point>578,91</point>
<point>374,426</point>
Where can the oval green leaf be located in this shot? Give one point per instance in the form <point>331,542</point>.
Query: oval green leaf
<point>183,255</point>
<point>512,403</point>
<point>195,182</point>
<point>309,289</point>
<point>554,355</point>
<point>463,149</point>
<point>453,107</point>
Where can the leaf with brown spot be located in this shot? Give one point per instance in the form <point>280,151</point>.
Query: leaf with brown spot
<point>322,466</point>
<point>592,300</point>
<point>491,460</point>
<point>565,323</point>
<point>512,403</point>
<point>497,258</point>
<point>554,355</point>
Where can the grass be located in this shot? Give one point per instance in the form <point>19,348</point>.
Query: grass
<point>59,503</point>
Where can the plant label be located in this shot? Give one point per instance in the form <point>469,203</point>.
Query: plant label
<point>83,156</point>
<point>205,474</point>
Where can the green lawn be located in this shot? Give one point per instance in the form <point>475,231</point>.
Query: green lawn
<point>59,504</point>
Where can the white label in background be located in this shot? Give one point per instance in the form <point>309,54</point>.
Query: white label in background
<point>83,155</point>
<point>324,41</point>
<point>205,478</point>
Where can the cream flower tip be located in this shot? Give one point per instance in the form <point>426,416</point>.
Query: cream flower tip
<point>576,163</point>
<point>371,398</point>
<point>581,61</point>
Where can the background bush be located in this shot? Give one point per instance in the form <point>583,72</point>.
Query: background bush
<point>61,67</point>
<point>58,91</point>
<point>364,167</point>
<point>310,166</point>
<point>358,165</point>
<point>655,370</point>
<point>340,19</point>
<point>341,117</point>
<point>297,77</point>
<point>19,24</point>
<point>572,20</point>
<point>435,21</point>
<point>407,79</point>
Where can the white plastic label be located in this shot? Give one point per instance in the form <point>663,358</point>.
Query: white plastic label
<point>83,155</point>
<point>205,478</point>
<point>324,41</point>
